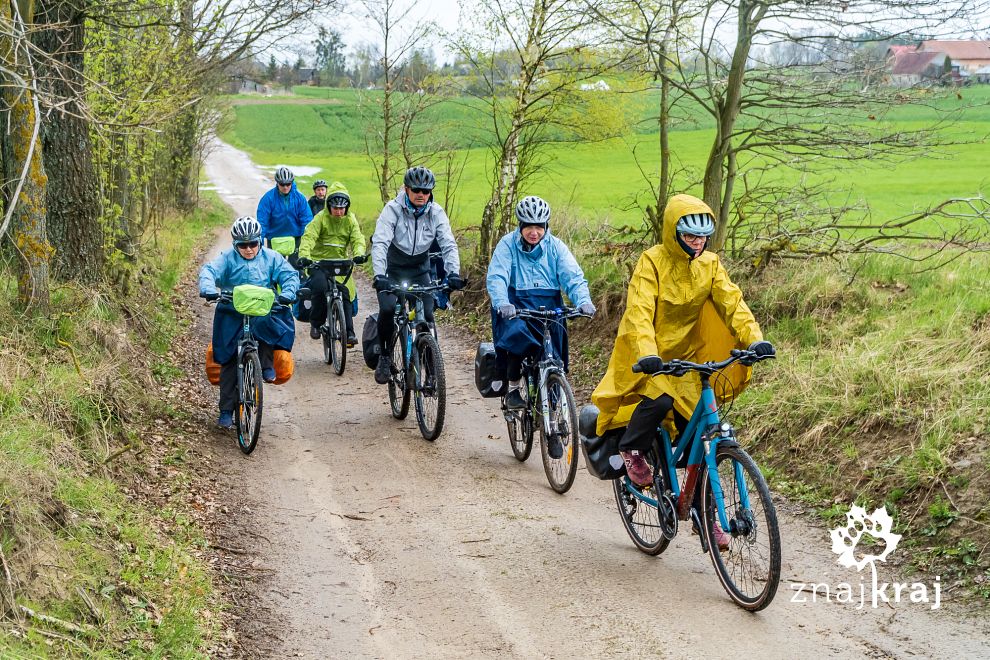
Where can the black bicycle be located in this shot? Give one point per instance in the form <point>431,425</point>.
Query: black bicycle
<point>334,328</point>
<point>417,364</point>
<point>250,383</point>
<point>549,404</point>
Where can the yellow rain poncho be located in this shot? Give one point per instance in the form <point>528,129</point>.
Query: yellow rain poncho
<point>677,308</point>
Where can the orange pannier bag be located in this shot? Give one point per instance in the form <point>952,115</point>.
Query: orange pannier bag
<point>284,366</point>
<point>212,368</point>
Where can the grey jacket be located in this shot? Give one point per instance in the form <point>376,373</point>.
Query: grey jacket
<point>399,229</point>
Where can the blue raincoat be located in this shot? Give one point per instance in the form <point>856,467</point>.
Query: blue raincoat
<point>268,268</point>
<point>283,215</point>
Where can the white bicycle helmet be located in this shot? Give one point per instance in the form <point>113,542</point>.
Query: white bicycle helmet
<point>698,224</point>
<point>533,210</point>
<point>245,229</point>
<point>284,175</point>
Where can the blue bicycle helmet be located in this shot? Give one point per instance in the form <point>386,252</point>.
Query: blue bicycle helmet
<point>698,224</point>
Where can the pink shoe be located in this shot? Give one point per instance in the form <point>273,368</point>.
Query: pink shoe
<point>721,538</point>
<point>639,471</point>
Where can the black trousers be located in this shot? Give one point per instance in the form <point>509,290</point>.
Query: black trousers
<point>513,366</point>
<point>228,375</point>
<point>386,311</point>
<point>319,284</point>
<point>645,419</point>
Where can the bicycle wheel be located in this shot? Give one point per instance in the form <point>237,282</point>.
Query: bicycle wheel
<point>430,384</point>
<point>520,434</point>
<point>641,520</point>
<point>338,337</point>
<point>398,388</point>
<point>559,434</point>
<point>249,406</point>
<point>750,568</point>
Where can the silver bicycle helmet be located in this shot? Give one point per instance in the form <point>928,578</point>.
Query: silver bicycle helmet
<point>339,200</point>
<point>698,224</point>
<point>533,210</point>
<point>284,175</point>
<point>318,183</point>
<point>419,177</point>
<point>245,229</point>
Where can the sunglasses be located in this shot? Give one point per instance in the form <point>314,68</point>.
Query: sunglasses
<point>421,191</point>
<point>250,245</point>
<point>284,185</point>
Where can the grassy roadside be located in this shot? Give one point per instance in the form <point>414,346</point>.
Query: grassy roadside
<point>101,556</point>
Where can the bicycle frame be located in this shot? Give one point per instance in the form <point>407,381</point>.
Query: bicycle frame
<point>412,317</point>
<point>546,365</point>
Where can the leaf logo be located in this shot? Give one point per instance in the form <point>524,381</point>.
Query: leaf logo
<point>878,524</point>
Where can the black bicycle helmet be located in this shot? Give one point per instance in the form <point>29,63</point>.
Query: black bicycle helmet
<point>339,200</point>
<point>318,183</point>
<point>533,210</point>
<point>284,175</point>
<point>419,177</point>
<point>698,224</point>
<point>245,229</point>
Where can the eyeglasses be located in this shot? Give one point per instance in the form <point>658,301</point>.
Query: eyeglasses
<point>249,245</point>
<point>284,185</point>
<point>691,238</point>
<point>421,191</point>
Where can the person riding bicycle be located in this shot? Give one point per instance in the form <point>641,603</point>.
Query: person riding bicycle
<point>284,213</point>
<point>247,263</point>
<point>318,201</point>
<point>681,304</point>
<point>333,234</point>
<point>528,270</point>
<point>400,252</point>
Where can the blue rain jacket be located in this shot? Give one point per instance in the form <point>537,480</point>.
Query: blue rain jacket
<point>268,268</point>
<point>283,215</point>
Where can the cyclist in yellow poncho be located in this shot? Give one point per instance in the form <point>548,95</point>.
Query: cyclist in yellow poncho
<point>681,305</point>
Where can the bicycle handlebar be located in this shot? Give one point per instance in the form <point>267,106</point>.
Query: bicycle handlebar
<point>228,297</point>
<point>552,314</point>
<point>417,288</point>
<point>681,367</point>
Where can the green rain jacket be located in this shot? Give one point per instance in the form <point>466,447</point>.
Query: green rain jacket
<point>330,237</point>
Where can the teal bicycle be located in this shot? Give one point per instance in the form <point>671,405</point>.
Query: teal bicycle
<point>721,491</point>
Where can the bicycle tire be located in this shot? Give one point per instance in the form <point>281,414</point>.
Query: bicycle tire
<point>642,521</point>
<point>752,589</point>
<point>338,337</point>
<point>398,386</point>
<point>563,424</point>
<point>429,378</point>
<point>251,402</point>
<point>521,434</point>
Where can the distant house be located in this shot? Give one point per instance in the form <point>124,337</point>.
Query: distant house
<point>599,86</point>
<point>910,67</point>
<point>966,56</point>
<point>307,76</point>
<point>982,75</point>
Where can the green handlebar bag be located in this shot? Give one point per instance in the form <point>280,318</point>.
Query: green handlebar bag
<point>253,300</point>
<point>284,245</point>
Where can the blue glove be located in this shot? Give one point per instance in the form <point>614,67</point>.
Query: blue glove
<point>506,311</point>
<point>587,309</point>
<point>762,348</point>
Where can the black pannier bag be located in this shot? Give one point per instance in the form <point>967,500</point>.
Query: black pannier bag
<point>601,454</point>
<point>488,378</point>
<point>369,341</point>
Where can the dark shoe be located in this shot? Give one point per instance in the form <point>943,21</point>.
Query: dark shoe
<point>268,374</point>
<point>314,332</point>
<point>554,447</point>
<point>351,339</point>
<point>384,369</point>
<point>639,471</point>
<point>514,400</point>
<point>226,420</point>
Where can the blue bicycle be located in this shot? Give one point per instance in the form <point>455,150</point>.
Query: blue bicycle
<point>722,491</point>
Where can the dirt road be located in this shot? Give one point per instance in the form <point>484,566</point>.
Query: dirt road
<point>376,543</point>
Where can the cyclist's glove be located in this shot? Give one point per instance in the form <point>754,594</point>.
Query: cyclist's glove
<point>283,300</point>
<point>455,282</point>
<point>587,309</point>
<point>762,348</point>
<point>381,283</point>
<point>650,364</point>
<point>506,311</point>
<point>214,295</point>
<point>360,258</point>
<point>304,262</point>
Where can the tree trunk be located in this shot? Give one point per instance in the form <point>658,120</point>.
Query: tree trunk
<point>73,201</point>
<point>22,146</point>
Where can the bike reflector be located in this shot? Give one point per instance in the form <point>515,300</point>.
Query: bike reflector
<point>253,300</point>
